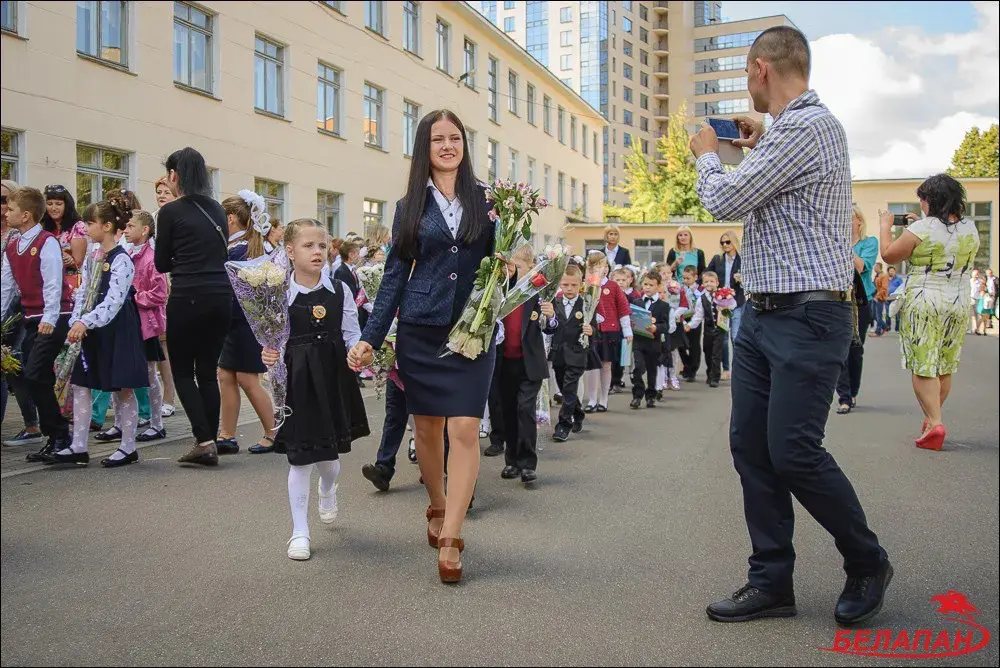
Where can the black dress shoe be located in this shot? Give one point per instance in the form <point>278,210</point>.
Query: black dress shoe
<point>650,403</point>
<point>51,447</point>
<point>713,383</point>
<point>561,435</point>
<point>635,403</point>
<point>600,409</point>
<point>227,446</point>
<point>577,426</point>
<point>862,596</point>
<point>659,396</point>
<point>130,458</point>
<point>205,455</point>
<point>510,472</point>
<point>377,475</point>
<point>113,434</point>
<point>751,603</point>
<point>493,450</point>
<point>70,458</point>
<point>528,476</point>
<point>590,409</point>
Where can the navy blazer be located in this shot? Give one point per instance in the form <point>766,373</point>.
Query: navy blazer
<point>718,265</point>
<point>441,281</point>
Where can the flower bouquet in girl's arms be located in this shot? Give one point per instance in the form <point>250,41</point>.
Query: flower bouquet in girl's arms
<point>673,294</point>
<point>725,300</point>
<point>370,277</point>
<point>66,360</point>
<point>9,362</point>
<point>542,280</point>
<point>591,297</point>
<point>513,207</point>
<point>261,288</point>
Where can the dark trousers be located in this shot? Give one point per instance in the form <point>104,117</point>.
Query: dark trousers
<point>568,378</point>
<point>849,381</point>
<point>712,346</point>
<point>691,356</point>
<point>39,353</point>
<point>19,387</point>
<point>617,372</point>
<point>518,396</point>
<point>784,370</point>
<point>394,427</point>
<point>646,362</point>
<point>196,329</point>
<point>496,405</point>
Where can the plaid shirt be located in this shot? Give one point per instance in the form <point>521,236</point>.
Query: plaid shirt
<point>794,193</point>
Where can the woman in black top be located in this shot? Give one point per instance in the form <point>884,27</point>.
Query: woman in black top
<point>191,247</point>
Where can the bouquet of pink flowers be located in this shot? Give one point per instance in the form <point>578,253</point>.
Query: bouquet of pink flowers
<point>725,299</point>
<point>261,288</point>
<point>513,207</point>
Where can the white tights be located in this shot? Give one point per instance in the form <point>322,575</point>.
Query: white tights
<point>126,417</point>
<point>597,383</point>
<point>298,491</point>
<point>155,398</point>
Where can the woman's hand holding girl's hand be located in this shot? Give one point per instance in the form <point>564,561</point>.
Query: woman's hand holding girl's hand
<point>77,332</point>
<point>269,356</point>
<point>360,356</point>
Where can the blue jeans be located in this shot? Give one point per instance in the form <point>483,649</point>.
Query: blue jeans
<point>734,328</point>
<point>784,373</point>
<point>883,323</point>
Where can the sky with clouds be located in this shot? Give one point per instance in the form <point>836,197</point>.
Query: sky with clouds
<point>907,79</point>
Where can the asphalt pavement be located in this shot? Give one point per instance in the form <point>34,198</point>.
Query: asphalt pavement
<point>634,526</point>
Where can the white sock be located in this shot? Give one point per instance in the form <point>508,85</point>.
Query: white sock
<point>298,498</point>
<point>81,420</point>
<point>328,473</point>
<point>592,385</point>
<point>155,398</point>
<point>605,379</point>
<point>117,410</point>
<point>128,416</point>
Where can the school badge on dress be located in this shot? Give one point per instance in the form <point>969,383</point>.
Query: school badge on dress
<point>319,311</point>
<point>106,267</point>
<point>607,291</point>
<point>534,315</point>
<point>34,252</point>
<point>579,315</point>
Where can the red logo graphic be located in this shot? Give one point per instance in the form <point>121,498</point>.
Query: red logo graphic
<point>920,643</point>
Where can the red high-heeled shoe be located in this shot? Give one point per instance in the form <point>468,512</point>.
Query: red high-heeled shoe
<point>433,514</point>
<point>932,440</point>
<point>450,571</point>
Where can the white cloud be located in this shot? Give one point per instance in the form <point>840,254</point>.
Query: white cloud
<point>906,99</point>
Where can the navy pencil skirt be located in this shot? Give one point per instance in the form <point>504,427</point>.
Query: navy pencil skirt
<point>451,386</point>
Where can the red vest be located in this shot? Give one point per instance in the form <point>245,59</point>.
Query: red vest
<point>512,334</point>
<point>27,270</point>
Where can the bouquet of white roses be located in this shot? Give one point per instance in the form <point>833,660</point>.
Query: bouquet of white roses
<point>513,207</point>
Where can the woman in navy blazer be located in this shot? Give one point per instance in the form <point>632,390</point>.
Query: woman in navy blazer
<point>440,234</point>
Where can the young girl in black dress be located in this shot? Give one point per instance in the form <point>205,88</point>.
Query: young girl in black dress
<point>240,366</point>
<point>327,412</point>
<point>112,358</point>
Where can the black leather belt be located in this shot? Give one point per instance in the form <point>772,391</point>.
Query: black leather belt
<point>772,301</point>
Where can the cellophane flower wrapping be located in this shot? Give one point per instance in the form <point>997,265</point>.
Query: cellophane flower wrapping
<point>67,357</point>
<point>513,208</point>
<point>725,299</point>
<point>9,362</point>
<point>261,289</point>
<point>591,297</point>
<point>542,280</point>
<point>384,359</point>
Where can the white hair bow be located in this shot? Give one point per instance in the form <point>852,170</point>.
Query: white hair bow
<point>259,217</point>
<point>363,252</point>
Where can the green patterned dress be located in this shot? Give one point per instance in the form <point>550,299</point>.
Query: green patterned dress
<point>935,310</point>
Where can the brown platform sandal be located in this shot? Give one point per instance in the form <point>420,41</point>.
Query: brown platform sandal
<point>433,514</point>
<point>450,571</point>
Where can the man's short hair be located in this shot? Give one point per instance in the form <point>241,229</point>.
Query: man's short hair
<point>785,48</point>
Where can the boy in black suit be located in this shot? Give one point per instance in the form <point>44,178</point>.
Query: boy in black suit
<point>647,351</point>
<point>712,345</point>
<point>523,369</point>
<point>568,357</point>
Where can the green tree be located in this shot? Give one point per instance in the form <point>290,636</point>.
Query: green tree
<point>977,155</point>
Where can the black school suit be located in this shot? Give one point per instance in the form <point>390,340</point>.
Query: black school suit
<point>646,351</point>
<point>718,265</point>
<point>712,338</point>
<point>569,359</point>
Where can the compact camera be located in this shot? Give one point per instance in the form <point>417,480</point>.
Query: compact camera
<point>900,219</point>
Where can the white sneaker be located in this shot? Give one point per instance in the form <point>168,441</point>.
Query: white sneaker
<point>298,548</point>
<point>329,514</point>
<point>167,410</point>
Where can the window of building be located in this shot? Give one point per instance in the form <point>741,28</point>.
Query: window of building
<point>192,47</point>
<point>547,183</point>
<point>583,134</point>
<point>626,93</point>
<point>336,5</point>
<point>531,171</point>
<point>102,30</point>
<point>443,46</point>
<point>328,211</point>
<point>627,71</point>
<point>643,101</point>
<point>375,16</point>
<point>722,107</point>
<point>643,13</point>
<point>492,148</point>
<point>980,213</point>
<point>627,117</point>
<point>328,99</point>
<point>489,9</point>
<point>274,197</point>
<point>643,35</point>
<point>537,24</point>
<point>595,148</point>
<point>98,170</point>
<point>732,41</point>
<point>470,146</point>
<point>508,24</point>
<point>562,125</point>
<point>411,116</point>
<point>512,166</point>
<point>593,244</point>
<point>547,114</point>
<point>568,82</point>
<point>707,12</point>
<point>645,147</point>
<point>723,64</point>
<point>374,98</point>
<point>566,62</point>
<point>643,57</point>
<point>566,38</point>
<point>560,190</point>
<point>493,85</point>
<point>8,17</point>
<point>509,4</point>
<point>268,74</point>
<point>411,26</point>
<point>586,196</point>
<point>644,79</point>
<point>470,64</point>
<point>512,92</point>
<point>626,47</point>
<point>10,155</point>
<point>644,124</point>
<point>627,24</point>
<point>711,86</point>
<point>566,15</point>
<point>531,104</point>
<point>572,132</point>
<point>649,251</point>
<point>373,213</point>
<point>574,200</point>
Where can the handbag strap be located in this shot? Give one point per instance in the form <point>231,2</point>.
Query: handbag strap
<point>218,228</point>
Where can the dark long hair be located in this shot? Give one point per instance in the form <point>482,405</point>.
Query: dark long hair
<point>70,215</point>
<point>473,224</point>
<point>945,197</point>
<point>192,174</point>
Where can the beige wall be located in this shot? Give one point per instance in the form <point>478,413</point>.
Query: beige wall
<point>706,235</point>
<point>55,98</point>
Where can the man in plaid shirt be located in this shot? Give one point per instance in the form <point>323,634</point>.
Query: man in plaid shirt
<point>793,191</point>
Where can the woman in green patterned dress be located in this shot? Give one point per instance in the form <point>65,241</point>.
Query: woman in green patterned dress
<point>940,248</point>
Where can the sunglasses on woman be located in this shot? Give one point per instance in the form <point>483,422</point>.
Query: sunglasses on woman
<point>726,242</point>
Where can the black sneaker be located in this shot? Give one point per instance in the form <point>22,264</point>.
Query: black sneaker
<point>862,596</point>
<point>635,403</point>
<point>590,409</point>
<point>377,475</point>
<point>493,450</point>
<point>659,396</point>
<point>577,426</point>
<point>24,437</point>
<point>650,403</point>
<point>751,603</point>
<point>713,383</point>
<point>561,434</point>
